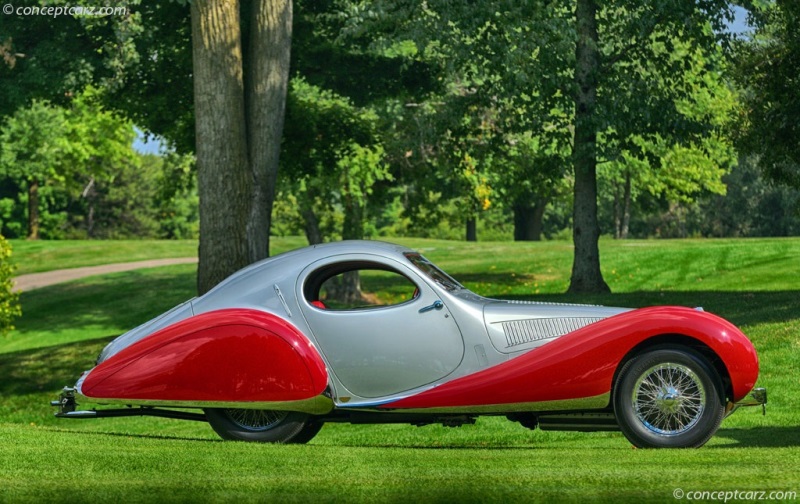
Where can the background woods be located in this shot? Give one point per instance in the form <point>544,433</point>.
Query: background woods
<point>561,119</point>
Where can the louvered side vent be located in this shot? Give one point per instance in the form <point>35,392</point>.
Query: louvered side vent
<point>519,332</point>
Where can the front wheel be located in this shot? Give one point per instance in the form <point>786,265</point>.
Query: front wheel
<point>264,426</point>
<point>668,398</point>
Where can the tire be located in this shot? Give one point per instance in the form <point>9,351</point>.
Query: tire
<point>668,398</point>
<point>262,426</point>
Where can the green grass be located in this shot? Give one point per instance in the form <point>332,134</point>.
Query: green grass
<point>46,255</point>
<point>754,283</point>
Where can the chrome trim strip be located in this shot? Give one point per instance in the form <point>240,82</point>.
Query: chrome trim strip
<point>282,300</point>
<point>318,405</point>
<point>582,403</point>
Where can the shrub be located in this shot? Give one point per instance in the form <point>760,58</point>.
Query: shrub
<point>9,301</point>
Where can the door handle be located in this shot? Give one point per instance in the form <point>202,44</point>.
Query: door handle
<point>437,305</point>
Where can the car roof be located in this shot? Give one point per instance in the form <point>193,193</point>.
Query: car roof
<point>291,263</point>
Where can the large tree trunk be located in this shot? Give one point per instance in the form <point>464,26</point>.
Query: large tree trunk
<point>267,81</point>
<point>238,123</point>
<point>586,275</point>
<point>224,178</point>
<point>33,209</point>
<point>528,219</point>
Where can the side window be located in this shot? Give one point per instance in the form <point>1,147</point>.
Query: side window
<point>358,286</point>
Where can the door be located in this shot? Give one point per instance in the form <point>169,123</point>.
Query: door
<point>392,334</point>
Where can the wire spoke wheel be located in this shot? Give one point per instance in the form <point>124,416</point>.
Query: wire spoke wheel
<point>256,420</point>
<point>264,426</point>
<point>669,397</point>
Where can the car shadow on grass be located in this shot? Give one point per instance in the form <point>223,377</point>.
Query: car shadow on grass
<point>129,435</point>
<point>761,437</point>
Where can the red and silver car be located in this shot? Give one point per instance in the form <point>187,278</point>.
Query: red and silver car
<point>282,347</point>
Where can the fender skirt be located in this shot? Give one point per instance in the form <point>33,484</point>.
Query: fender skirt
<point>227,358</point>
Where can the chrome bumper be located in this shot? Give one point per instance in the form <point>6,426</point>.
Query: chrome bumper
<point>66,402</point>
<point>756,397</point>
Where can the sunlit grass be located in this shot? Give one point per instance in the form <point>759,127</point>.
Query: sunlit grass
<point>754,283</point>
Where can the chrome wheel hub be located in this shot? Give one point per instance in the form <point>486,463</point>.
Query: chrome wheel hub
<point>669,399</point>
<point>256,420</point>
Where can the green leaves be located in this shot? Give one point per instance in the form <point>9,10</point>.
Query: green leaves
<point>767,70</point>
<point>73,172</point>
<point>35,143</point>
<point>9,300</point>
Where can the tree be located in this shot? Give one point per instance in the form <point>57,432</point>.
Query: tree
<point>586,75</point>
<point>767,72</point>
<point>53,58</point>
<point>35,149</point>
<point>680,170</point>
<point>240,80</point>
<point>612,46</point>
<point>332,158</point>
<point>533,178</point>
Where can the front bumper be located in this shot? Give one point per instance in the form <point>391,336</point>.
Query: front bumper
<point>756,397</point>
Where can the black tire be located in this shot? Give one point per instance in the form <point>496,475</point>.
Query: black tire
<point>263,426</point>
<point>668,398</point>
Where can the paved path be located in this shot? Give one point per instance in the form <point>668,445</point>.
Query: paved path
<point>36,280</point>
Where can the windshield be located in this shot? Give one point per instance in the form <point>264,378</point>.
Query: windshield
<point>433,272</point>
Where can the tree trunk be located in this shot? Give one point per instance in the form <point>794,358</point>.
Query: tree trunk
<point>238,123</point>
<point>626,207</point>
<point>617,212</point>
<point>311,226</point>
<point>33,209</point>
<point>622,208</point>
<point>586,275</point>
<point>267,79</point>
<point>89,194</point>
<point>224,178</point>
<point>90,220</point>
<point>349,291</point>
<point>528,220</point>
<point>472,229</point>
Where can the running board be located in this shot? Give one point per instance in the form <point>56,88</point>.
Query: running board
<point>127,412</point>
<point>581,422</point>
<point>66,409</point>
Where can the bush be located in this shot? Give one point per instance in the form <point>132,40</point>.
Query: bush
<point>9,301</point>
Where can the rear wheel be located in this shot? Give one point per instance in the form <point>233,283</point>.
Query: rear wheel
<point>264,426</point>
<point>668,398</point>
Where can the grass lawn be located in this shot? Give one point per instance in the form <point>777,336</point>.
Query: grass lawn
<point>753,283</point>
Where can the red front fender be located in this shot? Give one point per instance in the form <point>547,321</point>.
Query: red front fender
<point>582,364</point>
<point>233,355</point>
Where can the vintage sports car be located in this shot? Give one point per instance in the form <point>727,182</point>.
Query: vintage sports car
<point>284,346</point>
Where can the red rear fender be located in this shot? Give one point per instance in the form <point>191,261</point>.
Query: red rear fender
<point>233,355</point>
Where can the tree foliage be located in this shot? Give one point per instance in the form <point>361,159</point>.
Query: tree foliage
<point>768,73</point>
<point>72,171</point>
<point>9,300</point>
<point>36,151</point>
